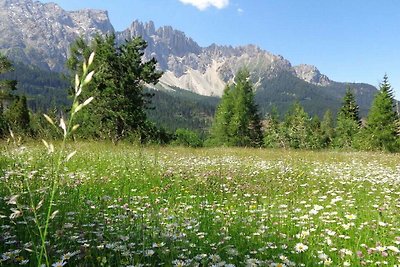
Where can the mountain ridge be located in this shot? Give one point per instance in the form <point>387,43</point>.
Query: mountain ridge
<point>40,34</point>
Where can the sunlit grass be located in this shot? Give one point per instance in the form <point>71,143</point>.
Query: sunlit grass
<point>122,205</point>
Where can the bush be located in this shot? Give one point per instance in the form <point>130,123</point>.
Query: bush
<point>186,137</point>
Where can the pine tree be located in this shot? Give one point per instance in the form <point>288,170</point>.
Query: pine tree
<point>220,134</point>
<point>237,121</point>
<point>117,87</point>
<point>348,121</point>
<point>6,97</point>
<point>327,129</point>
<point>272,133</point>
<point>296,127</point>
<point>6,86</point>
<point>381,127</point>
<point>18,115</point>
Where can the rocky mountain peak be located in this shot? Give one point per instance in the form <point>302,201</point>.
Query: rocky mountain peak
<point>311,74</point>
<point>40,34</point>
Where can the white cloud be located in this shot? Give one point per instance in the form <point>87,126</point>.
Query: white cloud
<point>240,11</point>
<point>204,4</point>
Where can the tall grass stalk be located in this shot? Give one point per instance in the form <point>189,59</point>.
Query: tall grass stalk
<point>67,130</point>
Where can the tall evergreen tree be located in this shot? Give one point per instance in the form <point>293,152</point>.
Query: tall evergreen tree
<point>237,121</point>
<point>381,127</point>
<point>220,134</point>
<point>272,133</point>
<point>296,127</point>
<point>17,115</point>
<point>117,87</point>
<point>327,129</point>
<point>6,88</point>
<point>348,121</point>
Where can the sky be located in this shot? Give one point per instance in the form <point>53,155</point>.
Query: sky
<point>347,40</point>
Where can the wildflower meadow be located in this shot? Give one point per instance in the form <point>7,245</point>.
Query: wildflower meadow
<point>129,205</point>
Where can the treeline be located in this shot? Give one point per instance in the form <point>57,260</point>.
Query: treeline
<point>122,106</point>
<point>237,124</point>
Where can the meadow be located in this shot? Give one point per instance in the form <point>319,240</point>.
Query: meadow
<point>128,205</point>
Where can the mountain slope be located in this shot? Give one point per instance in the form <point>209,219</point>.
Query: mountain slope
<point>40,34</point>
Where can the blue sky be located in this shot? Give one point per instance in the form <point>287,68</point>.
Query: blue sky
<point>348,40</point>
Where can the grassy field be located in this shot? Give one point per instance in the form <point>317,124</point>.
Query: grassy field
<point>126,205</point>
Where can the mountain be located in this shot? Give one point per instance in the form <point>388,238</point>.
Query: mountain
<point>40,34</point>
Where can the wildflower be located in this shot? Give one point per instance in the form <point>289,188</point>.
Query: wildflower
<point>303,234</point>
<point>345,252</point>
<point>322,256</point>
<point>350,216</point>
<point>149,253</point>
<point>383,224</point>
<point>313,212</point>
<point>24,262</point>
<point>179,263</point>
<point>158,245</point>
<point>328,262</point>
<point>59,263</point>
<point>380,248</point>
<point>330,232</point>
<point>252,262</point>
<point>394,249</point>
<point>300,247</point>
<point>215,258</point>
<point>69,255</point>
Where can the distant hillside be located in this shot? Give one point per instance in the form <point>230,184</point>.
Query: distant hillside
<point>169,109</point>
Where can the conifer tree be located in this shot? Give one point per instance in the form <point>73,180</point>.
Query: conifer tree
<point>6,97</point>
<point>6,86</point>
<point>220,134</point>
<point>237,121</point>
<point>18,115</point>
<point>348,121</point>
<point>327,129</point>
<point>297,127</point>
<point>272,133</point>
<point>117,86</point>
<point>381,127</point>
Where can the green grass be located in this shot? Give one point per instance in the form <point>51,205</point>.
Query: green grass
<point>126,205</point>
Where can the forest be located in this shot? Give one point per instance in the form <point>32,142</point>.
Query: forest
<point>126,109</point>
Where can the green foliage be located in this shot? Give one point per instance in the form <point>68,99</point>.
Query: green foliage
<point>350,108</point>
<point>17,115</point>
<point>40,126</point>
<point>297,128</point>
<point>6,86</point>
<point>43,89</point>
<point>185,137</point>
<point>220,134</point>
<point>348,122</point>
<point>3,123</point>
<point>381,127</point>
<point>272,129</point>
<point>120,102</point>
<point>6,97</point>
<point>327,129</point>
<point>237,121</point>
<point>182,109</point>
